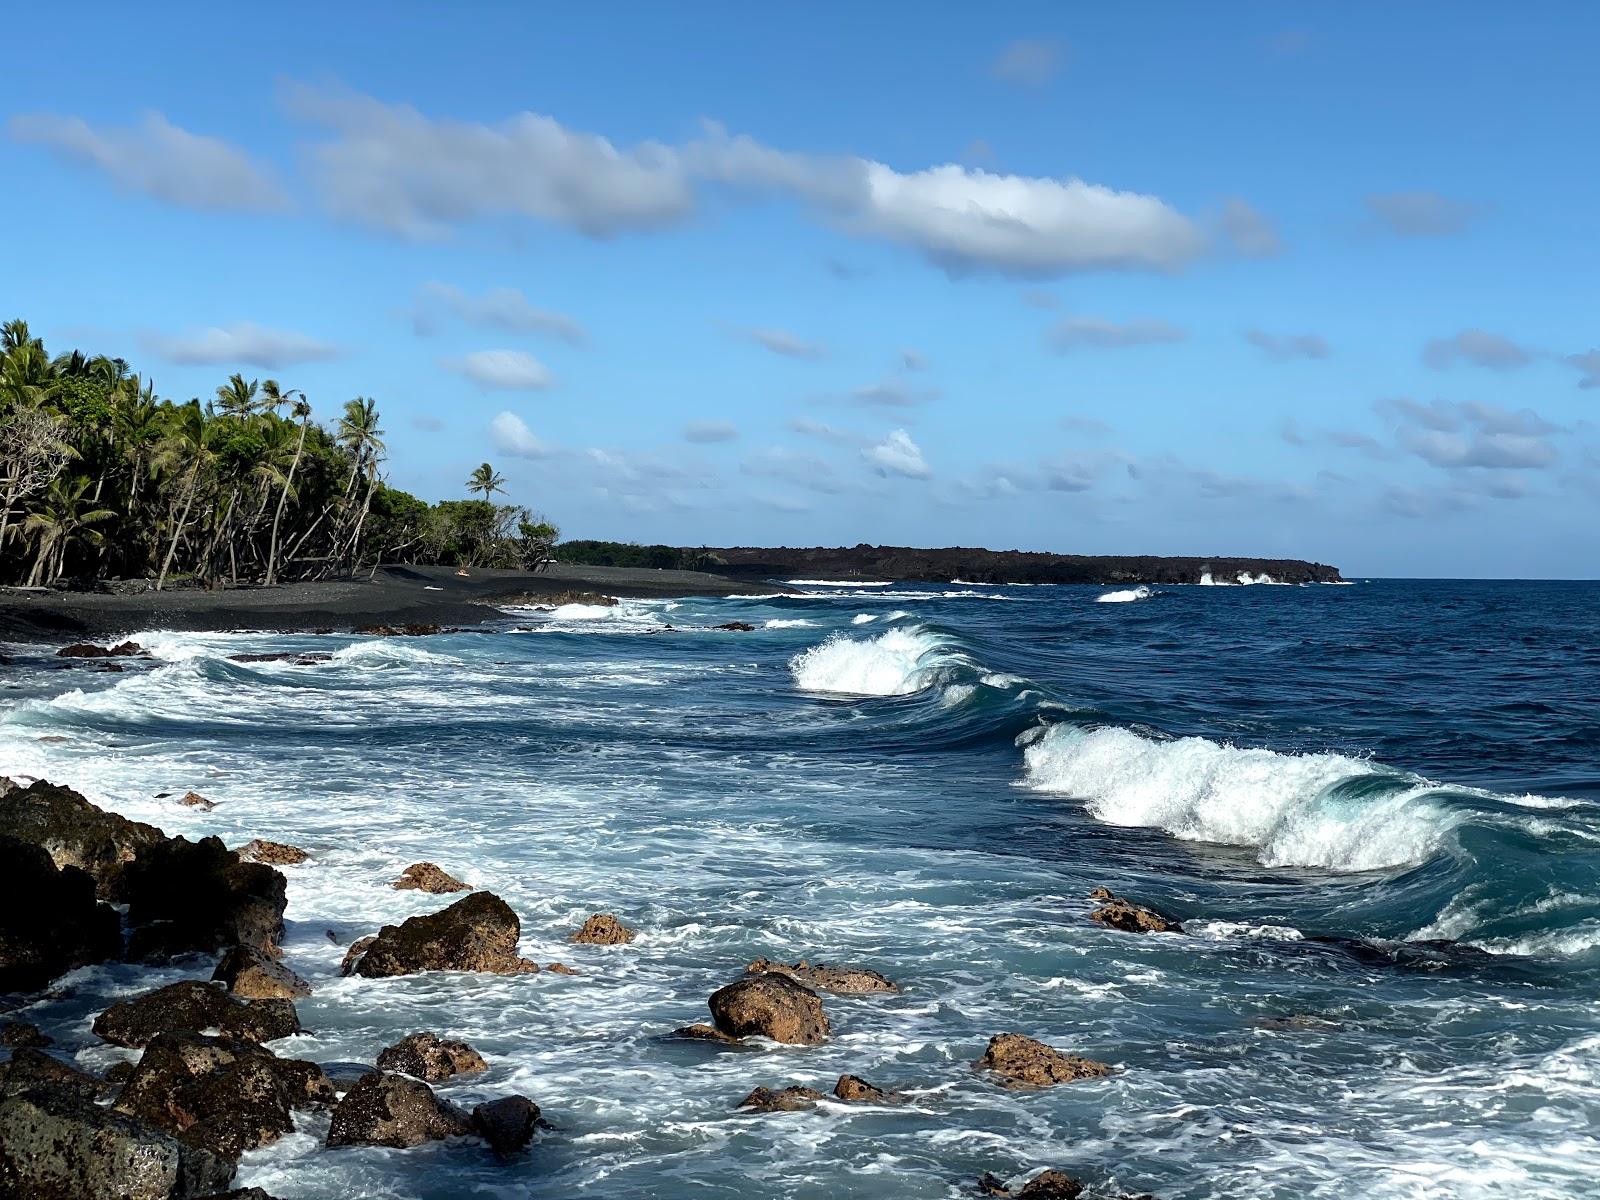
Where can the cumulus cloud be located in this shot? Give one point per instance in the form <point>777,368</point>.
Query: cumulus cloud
<point>1341,439</point>
<point>241,344</point>
<point>1454,435</point>
<point>1249,233</point>
<point>1420,214</point>
<point>510,370</point>
<point>897,454</point>
<point>1286,346</point>
<point>505,308</point>
<point>1097,333</point>
<point>710,431</point>
<point>891,393</point>
<point>1587,366</point>
<point>159,159</point>
<point>1478,347</point>
<point>1031,62</point>
<point>511,435</point>
<point>781,341</point>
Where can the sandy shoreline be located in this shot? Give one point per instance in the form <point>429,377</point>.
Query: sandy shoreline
<point>397,595</point>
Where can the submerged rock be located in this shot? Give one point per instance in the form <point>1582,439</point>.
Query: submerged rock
<point>190,1007</point>
<point>736,627</point>
<point>602,929</point>
<point>58,1145</point>
<point>478,933</point>
<point>196,800</point>
<point>789,1099</point>
<point>252,974</point>
<point>703,1033</point>
<point>50,920</point>
<point>410,629</point>
<point>1047,1185</point>
<point>427,877</point>
<point>432,1058</point>
<point>773,1006</point>
<point>73,832</point>
<point>853,1089</point>
<point>188,896</point>
<point>844,981</point>
<point>556,968</point>
<point>1117,913</point>
<point>394,1110</point>
<point>507,1124</point>
<point>1022,1061</point>
<point>276,854</point>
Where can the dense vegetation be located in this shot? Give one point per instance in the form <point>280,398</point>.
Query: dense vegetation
<point>100,478</point>
<point>631,554</point>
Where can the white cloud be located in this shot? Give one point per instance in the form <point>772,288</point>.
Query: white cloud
<point>891,393</point>
<point>1030,62</point>
<point>159,159</point>
<point>1478,347</point>
<point>1251,234</point>
<point>1097,333</point>
<point>897,454</point>
<point>802,470</point>
<point>1450,435</point>
<point>1587,366</point>
<point>504,308</point>
<point>243,343</point>
<point>1421,214</point>
<point>512,436</point>
<point>824,432</point>
<point>512,370</point>
<point>710,431</point>
<point>781,341</point>
<point>1283,346</point>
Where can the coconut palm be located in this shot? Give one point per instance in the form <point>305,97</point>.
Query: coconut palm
<point>301,411</point>
<point>187,449</point>
<point>62,518</point>
<point>237,397</point>
<point>486,480</point>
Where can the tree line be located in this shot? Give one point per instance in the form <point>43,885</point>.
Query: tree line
<point>100,478</point>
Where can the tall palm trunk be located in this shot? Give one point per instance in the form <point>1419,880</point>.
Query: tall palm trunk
<point>277,517</point>
<point>183,519</point>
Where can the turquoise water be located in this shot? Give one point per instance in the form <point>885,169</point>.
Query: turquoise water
<point>1377,808</point>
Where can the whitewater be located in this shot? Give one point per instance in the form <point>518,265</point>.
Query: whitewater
<point>1375,809</point>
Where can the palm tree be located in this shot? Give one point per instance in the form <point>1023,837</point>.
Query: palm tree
<point>236,398</point>
<point>486,480</point>
<point>60,520</point>
<point>302,412</point>
<point>188,445</point>
<point>358,433</point>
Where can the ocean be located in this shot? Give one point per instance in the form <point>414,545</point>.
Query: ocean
<point>1375,807</point>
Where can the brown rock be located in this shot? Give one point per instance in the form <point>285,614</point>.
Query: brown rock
<point>20,1033</point>
<point>394,1110</point>
<point>602,929</point>
<point>1117,913</point>
<point>196,800</point>
<point>561,599</point>
<point>561,969</point>
<point>88,650</point>
<point>507,1124</point>
<point>844,981</point>
<point>773,1006</point>
<point>50,921</point>
<point>426,877</point>
<point>30,1067</point>
<point>478,933</point>
<point>855,1090</point>
<point>1021,1061</point>
<point>188,896</point>
<point>252,974</point>
<point>1047,1185</point>
<point>353,955</point>
<point>789,1099</point>
<point>432,1058</point>
<point>191,1006</point>
<point>276,854</point>
<point>703,1033</point>
<point>73,832</point>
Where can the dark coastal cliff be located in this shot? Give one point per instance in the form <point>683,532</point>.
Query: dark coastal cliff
<point>1000,566</point>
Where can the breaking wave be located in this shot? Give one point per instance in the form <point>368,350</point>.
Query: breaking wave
<point>895,663</point>
<point>1127,595</point>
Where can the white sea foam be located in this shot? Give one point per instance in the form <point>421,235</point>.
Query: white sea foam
<point>863,619</point>
<point>1125,596</point>
<point>791,623</point>
<point>892,664</point>
<point>1204,791</point>
<point>840,583</point>
<point>582,612</point>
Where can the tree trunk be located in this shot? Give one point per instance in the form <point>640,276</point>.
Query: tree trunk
<point>177,532</point>
<point>272,552</point>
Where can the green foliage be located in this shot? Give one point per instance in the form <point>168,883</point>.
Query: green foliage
<point>631,554</point>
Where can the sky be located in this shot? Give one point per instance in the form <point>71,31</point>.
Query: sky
<point>1304,280</point>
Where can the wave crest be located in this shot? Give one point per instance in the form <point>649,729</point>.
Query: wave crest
<point>894,663</point>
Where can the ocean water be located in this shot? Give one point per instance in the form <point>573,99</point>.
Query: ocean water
<point>1376,807</point>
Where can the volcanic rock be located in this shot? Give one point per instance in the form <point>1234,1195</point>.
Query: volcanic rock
<point>88,650</point>
<point>252,974</point>
<point>276,854</point>
<point>1022,1062</point>
<point>432,1058</point>
<point>191,1006</point>
<point>352,956</point>
<point>1047,1185</point>
<point>1117,913</point>
<point>196,800</point>
<point>844,981</point>
<point>507,1124</point>
<point>789,1099</point>
<point>20,1033</point>
<point>736,627</point>
<point>426,877</point>
<point>477,933</point>
<point>855,1090</point>
<point>556,968</point>
<point>186,896</point>
<point>394,1110</point>
<point>703,1033</point>
<point>50,921</point>
<point>773,1006</point>
<point>30,1067</point>
<point>602,929</point>
<point>73,832</point>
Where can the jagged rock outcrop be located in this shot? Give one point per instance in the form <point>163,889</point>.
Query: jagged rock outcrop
<point>844,981</point>
<point>773,1006</point>
<point>253,974</point>
<point>73,832</point>
<point>1047,1185</point>
<point>50,920</point>
<point>274,854</point>
<point>602,929</point>
<point>22,1033</point>
<point>477,933</point>
<point>31,1067</point>
<point>789,1099</point>
<point>1117,913</point>
<point>1023,1062</point>
<point>186,896</point>
<point>853,1089</point>
<point>428,877</point>
<point>191,1007</point>
<point>90,650</point>
<point>394,1110</point>
<point>507,1124</point>
<point>431,1058</point>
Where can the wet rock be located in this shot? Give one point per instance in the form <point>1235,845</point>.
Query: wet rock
<point>561,599</point>
<point>844,981</point>
<point>602,929</point>
<point>1297,1022</point>
<point>426,877</point>
<point>30,1067</point>
<point>773,1006</point>
<point>299,660</point>
<point>20,1033</point>
<point>250,1193</point>
<point>432,1058</point>
<point>50,921</point>
<point>275,854</point>
<point>736,627</point>
<point>352,956</point>
<point>75,833</point>
<point>394,1110</point>
<point>89,650</point>
<point>345,1075</point>
<point>191,1006</point>
<point>410,629</point>
<point>1047,1185</point>
<point>703,1033</point>
<point>196,800</point>
<point>110,668</point>
<point>188,896</point>
<point>507,1124</point>
<point>855,1090</point>
<point>789,1099</point>
<point>58,1145</point>
<point>478,933</point>
<point>252,974</point>
<point>1022,1061</point>
<point>561,969</point>
<point>1117,913</point>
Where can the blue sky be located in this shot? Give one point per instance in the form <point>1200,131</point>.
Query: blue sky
<point>1305,280</point>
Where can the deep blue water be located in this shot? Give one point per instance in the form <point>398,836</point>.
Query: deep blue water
<point>1376,807</point>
